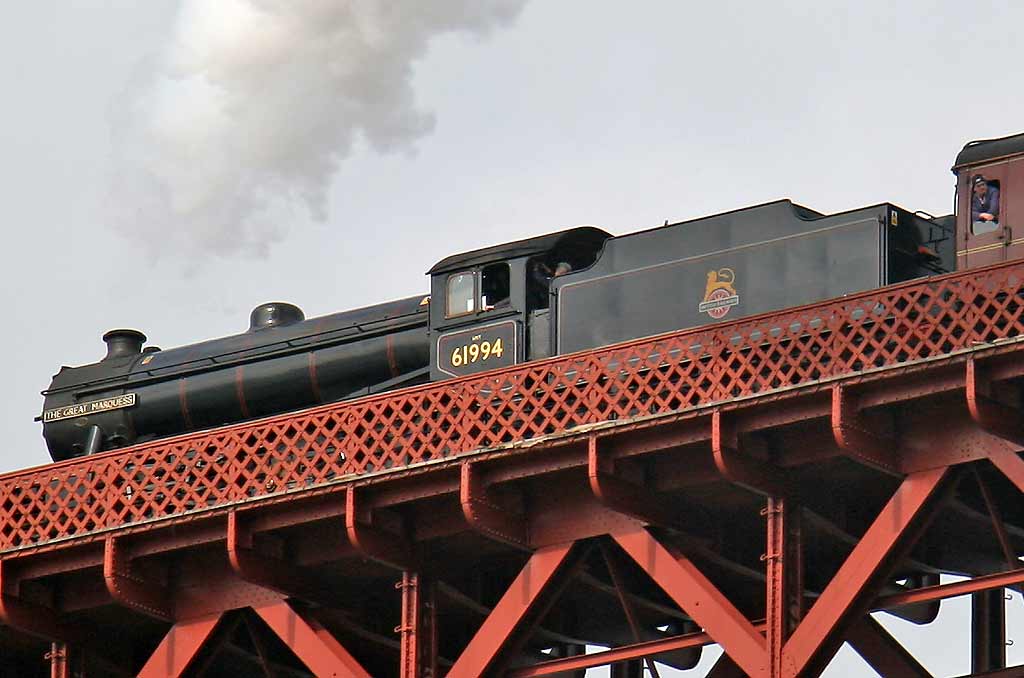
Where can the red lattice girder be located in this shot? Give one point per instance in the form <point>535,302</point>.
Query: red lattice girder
<point>521,598</point>
<point>700,599</point>
<point>677,372</point>
<point>883,652</point>
<point>311,642</point>
<point>179,648</point>
<point>819,634</point>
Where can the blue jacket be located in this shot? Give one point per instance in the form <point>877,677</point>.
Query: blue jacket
<point>990,203</point>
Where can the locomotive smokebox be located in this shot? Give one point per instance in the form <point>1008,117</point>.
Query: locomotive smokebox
<point>121,343</point>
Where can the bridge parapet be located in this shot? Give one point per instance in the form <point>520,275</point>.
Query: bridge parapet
<point>674,372</point>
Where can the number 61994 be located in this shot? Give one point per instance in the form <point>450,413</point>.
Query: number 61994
<point>476,351</point>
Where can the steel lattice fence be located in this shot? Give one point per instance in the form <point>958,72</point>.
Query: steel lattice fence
<point>668,373</point>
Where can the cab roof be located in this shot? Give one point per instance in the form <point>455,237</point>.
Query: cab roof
<point>581,237</point>
<point>989,149</point>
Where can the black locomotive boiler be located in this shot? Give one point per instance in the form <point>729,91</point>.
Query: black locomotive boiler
<point>567,291</point>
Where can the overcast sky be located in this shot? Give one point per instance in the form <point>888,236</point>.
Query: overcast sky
<point>167,166</point>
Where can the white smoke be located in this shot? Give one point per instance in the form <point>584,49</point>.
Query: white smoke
<point>237,127</point>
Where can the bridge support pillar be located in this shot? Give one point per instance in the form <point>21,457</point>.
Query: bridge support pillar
<point>418,632</point>
<point>988,631</point>
<point>60,663</point>
<point>784,569</point>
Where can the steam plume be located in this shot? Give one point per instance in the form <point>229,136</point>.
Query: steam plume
<point>238,125</point>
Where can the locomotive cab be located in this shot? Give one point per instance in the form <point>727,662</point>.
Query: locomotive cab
<point>998,164</point>
<point>490,307</point>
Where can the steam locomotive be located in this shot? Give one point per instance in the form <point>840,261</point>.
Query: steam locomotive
<point>554,294</point>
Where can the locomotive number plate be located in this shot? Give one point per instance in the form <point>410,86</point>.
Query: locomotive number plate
<point>477,349</point>
<point>92,407</point>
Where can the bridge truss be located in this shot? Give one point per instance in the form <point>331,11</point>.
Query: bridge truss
<point>763,484</point>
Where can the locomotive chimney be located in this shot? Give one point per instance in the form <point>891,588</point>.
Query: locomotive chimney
<point>275,314</point>
<point>122,343</point>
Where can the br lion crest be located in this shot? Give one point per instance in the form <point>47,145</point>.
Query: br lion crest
<point>719,293</point>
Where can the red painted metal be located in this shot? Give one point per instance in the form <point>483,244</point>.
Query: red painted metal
<point>129,588</point>
<point>59,661</point>
<point>986,409</point>
<point>537,457</point>
<point>770,353</point>
<point>997,523</point>
<point>619,654</point>
<point>1011,465</point>
<point>784,570</point>
<point>522,597</point>
<point>484,513</point>
<point>624,496</point>
<point>409,631</point>
<point>627,606</point>
<point>310,642</point>
<point>375,542</point>
<point>883,652</point>
<point>943,591</point>
<point>740,468</point>
<point>180,648</point>
<point>856,437</point>
<point>261,648</point>
<point>819,634</point>
<point>30,618</point>
<point>270,571</point>
<point>699,598</point>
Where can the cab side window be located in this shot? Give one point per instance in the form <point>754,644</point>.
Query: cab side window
<point>461,297</point>
<point>494,286</point>
<point>985,205</point>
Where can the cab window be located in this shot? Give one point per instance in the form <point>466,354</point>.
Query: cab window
<point>494,286</point>
<point>461,294</point>
<point>985,203</point>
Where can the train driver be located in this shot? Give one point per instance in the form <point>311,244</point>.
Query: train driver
<point>541,275</point>
<point>984,206</point>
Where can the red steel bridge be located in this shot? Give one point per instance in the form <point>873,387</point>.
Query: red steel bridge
<point>762,484</point>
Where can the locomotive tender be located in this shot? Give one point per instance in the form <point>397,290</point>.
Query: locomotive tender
<point>554,294</point>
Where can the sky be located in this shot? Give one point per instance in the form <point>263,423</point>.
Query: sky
<point>167,166</point>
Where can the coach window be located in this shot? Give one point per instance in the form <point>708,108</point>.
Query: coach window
<point>985,205</point>
<point>494,286</point>
<point>461,294</point>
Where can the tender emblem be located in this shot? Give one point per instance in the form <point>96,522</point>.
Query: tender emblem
<point>719,294</point>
